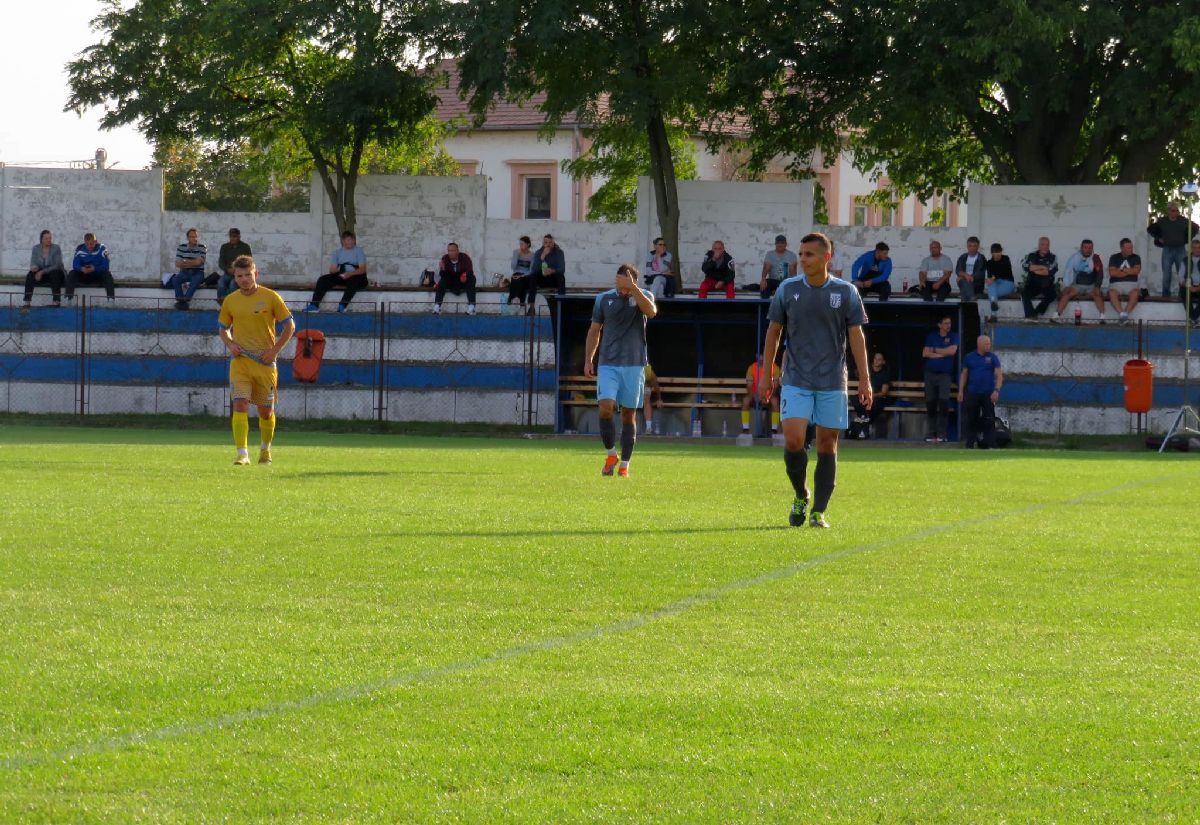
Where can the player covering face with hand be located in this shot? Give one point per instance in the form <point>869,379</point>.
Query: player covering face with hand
<point>618,334</point>
<point>247,319</point>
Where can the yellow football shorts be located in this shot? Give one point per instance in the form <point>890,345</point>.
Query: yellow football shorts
<point>253,381</point>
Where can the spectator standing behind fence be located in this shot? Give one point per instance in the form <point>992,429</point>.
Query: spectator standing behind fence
<point>90,267</point>
<point>778,264</point>
<point>456,274</point>
<point>230,251</point>
<point>934,274</point>
<point>1083,275</point>
<point>865,417</point>
<point>659,272</point>
<point>978,390</point>
<point>347,271</point>
<point>718,271</point>
<point>871,271</point>
<point>549,269</point>
<point>941,347</point>
<point>1041,267</point>
<point>189,265</point>
<point>520,266</point>
<point>998,279</point>
<point>971,273</point>
<point>1192,271</point>
<point>1125,279</point>
<point>1171,233</point>
<point>45,268</point>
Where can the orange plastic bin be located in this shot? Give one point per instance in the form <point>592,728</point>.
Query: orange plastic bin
<point>1139,385</point>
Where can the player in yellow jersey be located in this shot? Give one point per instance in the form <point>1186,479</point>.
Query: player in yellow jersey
<point>247,320</point>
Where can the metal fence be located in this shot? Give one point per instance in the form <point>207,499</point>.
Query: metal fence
<point>385,361</point>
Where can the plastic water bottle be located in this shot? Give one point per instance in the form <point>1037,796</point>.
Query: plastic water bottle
<point>696,427</point>
<point>1078,316</point>
<point>724,429</point>
<point>905,287</point>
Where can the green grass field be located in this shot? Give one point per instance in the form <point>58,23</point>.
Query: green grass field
<point>397,629</point>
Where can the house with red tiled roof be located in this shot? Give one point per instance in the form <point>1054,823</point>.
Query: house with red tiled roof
<point>526,180</point>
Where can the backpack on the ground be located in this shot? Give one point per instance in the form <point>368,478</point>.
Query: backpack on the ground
<point>310,348</point>
<point>1002,432</point>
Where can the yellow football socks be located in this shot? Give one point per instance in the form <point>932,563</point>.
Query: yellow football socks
<point>266,430</point>
<point>745,419</point>
<point>241,429</point>
<point>774,419</point>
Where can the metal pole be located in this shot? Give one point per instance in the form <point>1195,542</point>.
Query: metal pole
<point>82,354</point>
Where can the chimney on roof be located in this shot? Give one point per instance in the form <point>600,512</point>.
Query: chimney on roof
<point>101,159</point>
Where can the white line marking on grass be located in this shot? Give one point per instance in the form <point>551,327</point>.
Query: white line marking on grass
<point>352,692</point>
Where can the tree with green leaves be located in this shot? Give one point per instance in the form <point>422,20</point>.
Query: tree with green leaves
<point>619,154</point>
<point>618,62</point>
<point>943,92</point>
<point>331,73</point>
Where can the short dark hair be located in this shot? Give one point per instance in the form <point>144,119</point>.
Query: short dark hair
<point>630,270</point>
<point>657,241</point>
<point>819,238</point>
<point>89,236</point>
<point>525,239</point>
<point>997,247</point>
<point>349,234</point>
<point>233,230</point>
<point>1086,240</point>
<point>452,244</point>
<point>972,239</point>
<point>547,235</point>
<point>43,234</point>
<point>243,262</point>
<point>1125,241</point>
<point>882,247</point>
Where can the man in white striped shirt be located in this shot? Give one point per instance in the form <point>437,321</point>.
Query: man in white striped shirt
<point>189,261</point>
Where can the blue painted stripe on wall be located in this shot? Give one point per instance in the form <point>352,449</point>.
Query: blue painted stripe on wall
<point>1056,391</point>
<point>1110,338</point>
<point>204,322</point>
<point>212,371</point>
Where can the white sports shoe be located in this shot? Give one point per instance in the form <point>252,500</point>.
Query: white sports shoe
<point>470,309</point>
<point>437,309</point>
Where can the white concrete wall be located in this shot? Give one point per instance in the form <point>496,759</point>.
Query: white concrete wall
<point>282,245</point>
<point>404,223</point>
<point>746,216</point>
<point>123,209</point>
<point>1016,216</point>
<point>908,245</point>
<point>593,250</point>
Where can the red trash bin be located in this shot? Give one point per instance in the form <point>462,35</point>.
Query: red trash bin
<point>1139,385</point>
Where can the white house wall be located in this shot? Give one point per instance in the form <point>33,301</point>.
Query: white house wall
<point>492,151</point>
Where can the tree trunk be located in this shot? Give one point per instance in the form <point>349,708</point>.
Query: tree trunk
<point>666,192</point>
<point>333,188</point>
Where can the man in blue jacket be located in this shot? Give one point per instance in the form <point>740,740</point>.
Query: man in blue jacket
<point>90,267</point>
<point>870,273</point>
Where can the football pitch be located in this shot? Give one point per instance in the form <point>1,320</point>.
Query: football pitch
<point>401,629</point>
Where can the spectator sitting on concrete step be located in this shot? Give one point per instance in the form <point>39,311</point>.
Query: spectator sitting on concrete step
<point>347,272</point>
<point>46,269</point>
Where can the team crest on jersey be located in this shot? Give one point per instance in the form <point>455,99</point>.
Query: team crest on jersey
<point>835,299</point>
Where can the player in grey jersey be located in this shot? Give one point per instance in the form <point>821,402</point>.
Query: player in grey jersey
<point>819,313</point>
<point>618,331</point>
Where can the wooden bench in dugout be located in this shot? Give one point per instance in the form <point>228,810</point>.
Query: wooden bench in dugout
<point>904,397</point>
